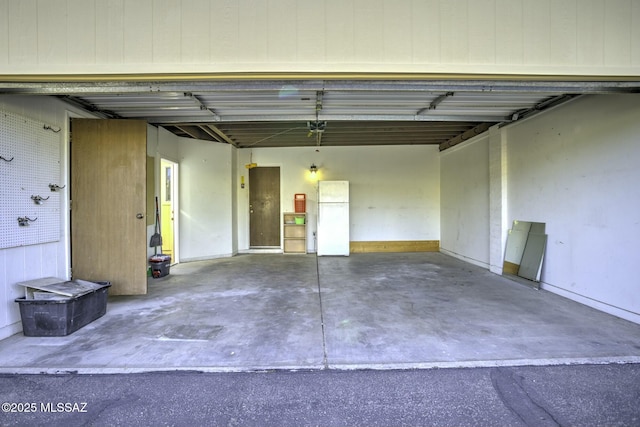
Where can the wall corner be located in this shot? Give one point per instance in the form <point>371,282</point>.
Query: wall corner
<point>497,197</point>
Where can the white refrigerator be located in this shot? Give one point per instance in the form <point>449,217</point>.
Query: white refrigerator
<point>333,218</point>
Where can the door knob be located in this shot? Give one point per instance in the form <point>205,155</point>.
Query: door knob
<point>139,216</point>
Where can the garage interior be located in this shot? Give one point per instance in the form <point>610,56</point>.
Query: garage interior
<point>447,128</point>
<point>367,311</point>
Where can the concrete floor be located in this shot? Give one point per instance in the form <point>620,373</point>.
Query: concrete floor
<point>382,311</point>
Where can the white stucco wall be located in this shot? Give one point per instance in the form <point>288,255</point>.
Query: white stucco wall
<point>561,37</point>
<point>161,144</point>
<point>395,191</point>
<point>52,259</point>
<point>208,224</point>
<point>576,169</point>
<point>464,183</point>
<point>205,192</point>
<point>235,185</point>
<point>35,261</point>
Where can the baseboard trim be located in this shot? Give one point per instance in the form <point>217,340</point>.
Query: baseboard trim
<point>622,313</point>
<point>205,258</point>
<point>465,258</point>
<point>395,246</point>
<point>11,329</point>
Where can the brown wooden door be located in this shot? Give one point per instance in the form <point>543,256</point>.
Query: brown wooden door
<point>264,207</point>
<point>108,203</point>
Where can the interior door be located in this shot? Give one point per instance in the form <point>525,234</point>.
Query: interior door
<point>108,203</point>
<point>167,209</point>
<point>264,207</point>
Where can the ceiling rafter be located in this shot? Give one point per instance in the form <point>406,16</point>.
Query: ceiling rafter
<point>196,132</point>
<point>221,134</point>
<point>458,139</point>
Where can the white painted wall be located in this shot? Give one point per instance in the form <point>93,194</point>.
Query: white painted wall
<point>464,183</point>
<point>206,212</point>
<point>562,37</point>
<point>235,188</point>
<point>161,144</point>
<point>168,147</point>
<point>574,168</point>
<point>49,259</point>
<point>395,191</point>
<point>53,259</point>
<point>206,197</point>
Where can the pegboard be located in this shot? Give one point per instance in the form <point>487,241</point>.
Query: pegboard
<point>34,147</point>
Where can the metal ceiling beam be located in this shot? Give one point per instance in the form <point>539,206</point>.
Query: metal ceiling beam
<point>413,118</point>
<point>319,95</point>
<point>398,134</point>
<point>291,86</point>
<point>335,143</point>
<point>541,106</point>
<point>160,120</point>
<point>440,86</point>
<point>201,104</point>
<point>518,115</point>
<point>84,105</point>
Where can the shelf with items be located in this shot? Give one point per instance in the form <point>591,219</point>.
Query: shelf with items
<point>295,233</point>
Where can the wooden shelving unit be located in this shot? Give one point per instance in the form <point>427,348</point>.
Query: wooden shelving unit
<point>295,234</point>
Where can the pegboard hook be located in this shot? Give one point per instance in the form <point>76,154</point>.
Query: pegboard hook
<point>5,159</point>
<point>23,221</point>
<point>51,128</point>
<point>38,199</point>
<point>56,187</point>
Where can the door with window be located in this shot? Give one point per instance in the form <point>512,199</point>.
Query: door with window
<point>264,207</point>
<point>167,207</point>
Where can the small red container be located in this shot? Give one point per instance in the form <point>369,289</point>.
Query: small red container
<point>300,203</point>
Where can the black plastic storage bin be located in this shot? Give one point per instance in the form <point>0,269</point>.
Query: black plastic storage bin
<point>160,265</point>
<point>60,317</point>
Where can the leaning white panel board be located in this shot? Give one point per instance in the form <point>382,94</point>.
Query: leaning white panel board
<point>516,240</point>
<point>531,264</point>
<point>31,150</point>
